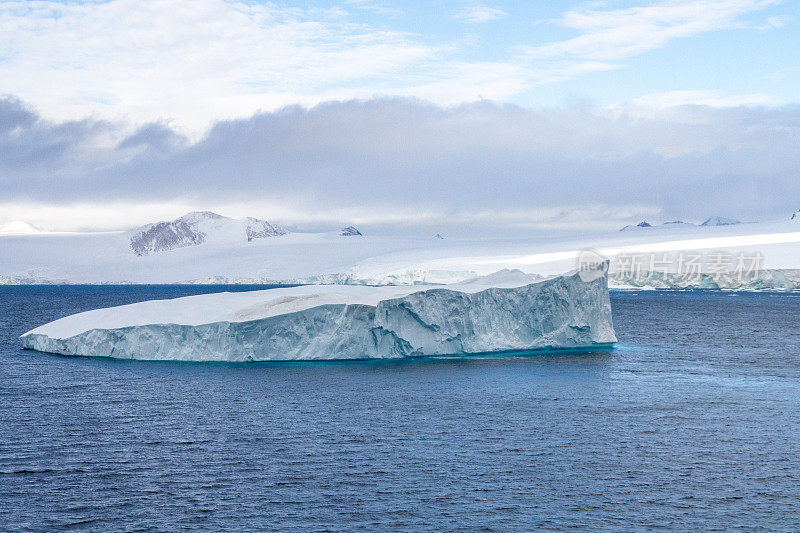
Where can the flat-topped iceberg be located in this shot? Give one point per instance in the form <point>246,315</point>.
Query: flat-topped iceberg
<point>500,312</point>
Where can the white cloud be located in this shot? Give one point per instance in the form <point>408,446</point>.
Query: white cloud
<point>373,6</point>
<point>169,58</point>
<point>658,101</point>
<point>204,60</point>
<point>774,22</point>
<point>613,35</point>
<point>478,13</point>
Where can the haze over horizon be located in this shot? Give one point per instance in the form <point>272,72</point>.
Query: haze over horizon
<point>502,116</point>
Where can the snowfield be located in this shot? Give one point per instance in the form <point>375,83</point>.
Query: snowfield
<point>213,249</point>
<point>504,311</point>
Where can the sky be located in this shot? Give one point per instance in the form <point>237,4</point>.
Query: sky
<point>502,117</point>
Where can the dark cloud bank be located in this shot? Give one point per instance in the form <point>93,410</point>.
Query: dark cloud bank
<point>691,162</point>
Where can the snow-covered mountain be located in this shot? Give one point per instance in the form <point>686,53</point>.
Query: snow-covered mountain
<point>259,229</point>
<point>197,228</point>
<point>350,231</point>
<point>713,221</point>
<point>720,221</point>
<point>642,224</point>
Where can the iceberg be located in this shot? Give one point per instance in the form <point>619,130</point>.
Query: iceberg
<point>505,311</point>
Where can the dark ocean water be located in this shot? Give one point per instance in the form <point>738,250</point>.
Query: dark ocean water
<point>693,422</point>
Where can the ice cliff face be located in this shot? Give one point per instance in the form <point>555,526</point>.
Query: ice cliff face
<point>196,228</point>
<point>763,280</point>
<point>497,313</point>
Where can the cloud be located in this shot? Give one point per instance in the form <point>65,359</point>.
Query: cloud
<point>403,161</point>
<point>774,22</point>
<point>609,36</point>
<point>169,58</point>
<point>478,13</point>
<point>669,99</point>
<point>201,60</point>
<point>372,6</point>
<point>14,115</point>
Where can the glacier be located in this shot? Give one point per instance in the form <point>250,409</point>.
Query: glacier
<point>213,249</point>
<point>504,311</point>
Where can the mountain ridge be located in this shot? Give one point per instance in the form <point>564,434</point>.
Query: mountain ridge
<point>199,227</point>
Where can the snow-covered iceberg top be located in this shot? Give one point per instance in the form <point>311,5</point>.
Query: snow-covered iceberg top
<point>500,312</point>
